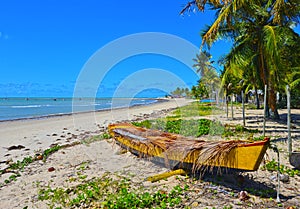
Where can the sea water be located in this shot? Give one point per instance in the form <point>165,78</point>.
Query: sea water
<point>23,108</point>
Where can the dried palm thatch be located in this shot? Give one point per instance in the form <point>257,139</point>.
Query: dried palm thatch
<point>209,154</point>
<point>201,155</point>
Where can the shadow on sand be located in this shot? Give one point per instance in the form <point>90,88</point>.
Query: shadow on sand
<point>236,181</point>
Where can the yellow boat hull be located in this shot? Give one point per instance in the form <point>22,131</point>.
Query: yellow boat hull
<point>245,156</point>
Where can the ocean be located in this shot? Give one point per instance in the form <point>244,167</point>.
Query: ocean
<point>25,108</point>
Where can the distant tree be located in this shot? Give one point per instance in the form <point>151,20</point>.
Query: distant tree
<point>209,76</point>
<point>200,90</point>
<point>181,92</point>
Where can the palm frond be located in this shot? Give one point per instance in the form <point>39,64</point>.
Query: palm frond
<point>285,11</point>
<point>295,78</point>
<point>270,38</point>
<point>210,36</point>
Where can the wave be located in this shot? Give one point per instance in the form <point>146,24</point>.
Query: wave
<point>26,106</point>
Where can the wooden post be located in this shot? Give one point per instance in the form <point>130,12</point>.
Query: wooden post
<point>288,98</point>
<point>224,103</point>
<point>232,106</point>
<point>243,104</point>
<point>265,109</point>
<point>226,106</point>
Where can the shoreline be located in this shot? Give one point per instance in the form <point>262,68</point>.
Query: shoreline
<point>40,133</point>
<point>158,100</point>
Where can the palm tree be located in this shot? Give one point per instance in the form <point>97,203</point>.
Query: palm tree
<point>260,30</point>
<point>199,91</point>
<point>204,66</point>
<point>203,63</point>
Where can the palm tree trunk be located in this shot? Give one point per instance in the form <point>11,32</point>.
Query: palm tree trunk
<point>257,98</point>
<point>272,102</point>
<point>264,75</point>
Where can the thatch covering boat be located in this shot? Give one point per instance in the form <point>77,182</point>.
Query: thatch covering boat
<point>178,152</point>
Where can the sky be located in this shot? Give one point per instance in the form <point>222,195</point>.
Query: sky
<point>46,45</point>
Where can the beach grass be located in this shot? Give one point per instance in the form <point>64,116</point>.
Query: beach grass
<point>112,191</point>
<point>198,127</point>
<point>196,109</point>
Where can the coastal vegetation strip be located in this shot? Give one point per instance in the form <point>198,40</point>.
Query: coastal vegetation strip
<point>181,121</point>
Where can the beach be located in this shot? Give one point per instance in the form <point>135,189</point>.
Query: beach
<point>40,133</point>
<point>22,138</point>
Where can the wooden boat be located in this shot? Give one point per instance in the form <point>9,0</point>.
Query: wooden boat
<point>178,152</point>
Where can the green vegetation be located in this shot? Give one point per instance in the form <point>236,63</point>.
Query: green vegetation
<point>196,109</point>
<point>195,128</point>
<point>96,138</point>
<point>19,165</point>
<point>111,191</point>
<point>264,193</point>
<point>273,166</point>
<point>12,178</point>
<point>50,151</point>
<point>191,127</point>
<point>200,90</point>
<point>181,92</point>
<point>181,122</point>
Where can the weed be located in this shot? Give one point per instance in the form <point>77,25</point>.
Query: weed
<point>110,192</point>
<point>196,109</point>
<point>97,138</point>
<point>19,165</point>
<point>273,166</point>
<point>261,192</point>
<point>260,138</point>
<point>105,136</point>
<point>192,127</point>
<point>13,177</point>
<point>228,207</point>
<point>51,150</point>
<point>83,166</point>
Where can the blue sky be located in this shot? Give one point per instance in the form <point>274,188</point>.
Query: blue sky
<point>44,45</point>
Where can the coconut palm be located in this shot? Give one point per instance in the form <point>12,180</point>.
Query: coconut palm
<point>260,30</point>
<point>204,66</point>
<point>203,63</point>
